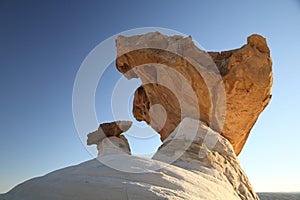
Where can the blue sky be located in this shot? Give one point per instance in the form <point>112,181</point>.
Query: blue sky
<point>43,43</point>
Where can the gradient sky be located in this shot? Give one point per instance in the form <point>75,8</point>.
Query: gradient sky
<point>43,43</point>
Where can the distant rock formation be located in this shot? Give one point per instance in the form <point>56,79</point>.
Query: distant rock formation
<point>246,74</point>
<point>279,195</point>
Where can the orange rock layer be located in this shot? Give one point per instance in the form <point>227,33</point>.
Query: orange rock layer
<point>226,90</point>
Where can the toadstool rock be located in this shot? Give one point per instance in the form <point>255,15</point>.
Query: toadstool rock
<point>108,130</point>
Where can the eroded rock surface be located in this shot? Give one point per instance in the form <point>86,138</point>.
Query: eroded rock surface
<point>205,152</point>
<point>229,89</point>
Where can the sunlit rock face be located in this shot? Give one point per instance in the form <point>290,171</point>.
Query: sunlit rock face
<point>227,90</point>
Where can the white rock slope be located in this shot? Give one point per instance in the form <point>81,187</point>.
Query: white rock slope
<point>192,176</point>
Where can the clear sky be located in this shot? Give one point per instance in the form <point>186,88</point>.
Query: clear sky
<point>43,43</point>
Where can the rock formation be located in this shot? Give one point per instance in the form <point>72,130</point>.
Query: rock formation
<point>202,104</point>
<point>107,130</point>
<point>245,73</point>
